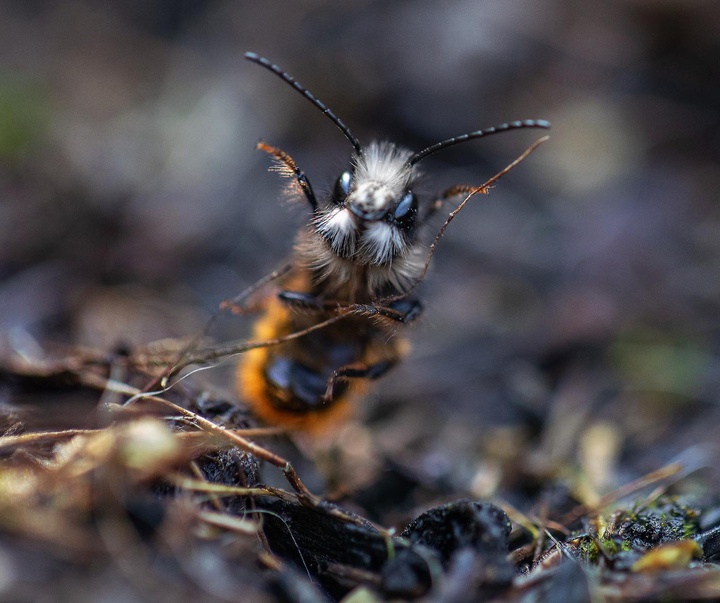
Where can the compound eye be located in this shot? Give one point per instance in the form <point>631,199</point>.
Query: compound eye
<point>406,209</point>
<point>342,187</point>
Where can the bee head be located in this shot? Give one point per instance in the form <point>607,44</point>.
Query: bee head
<point>371,215</point>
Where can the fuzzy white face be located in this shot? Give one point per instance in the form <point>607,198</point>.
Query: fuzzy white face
<point>372,216</point>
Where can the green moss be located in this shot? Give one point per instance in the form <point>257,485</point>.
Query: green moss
<point>638,530</point>
<point>24,116</point>
<point>652,362</point>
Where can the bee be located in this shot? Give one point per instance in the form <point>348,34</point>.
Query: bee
<point>355,265</point>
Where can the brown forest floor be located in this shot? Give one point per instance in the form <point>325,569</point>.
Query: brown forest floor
<point>552,436</point>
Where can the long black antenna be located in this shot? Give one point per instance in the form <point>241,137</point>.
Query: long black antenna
<point>286,77</point>
<point>513,125</point>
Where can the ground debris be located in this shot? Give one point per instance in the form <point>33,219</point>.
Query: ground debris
<point>164,497</point>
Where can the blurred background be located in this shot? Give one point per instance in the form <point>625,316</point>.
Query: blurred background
<point>572,317</point>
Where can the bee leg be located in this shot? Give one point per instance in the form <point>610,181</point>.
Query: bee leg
<point>301,300</point>
<point>286,166</point>
<point>356,371</point>
<point>402,310</point>
<point>454,191</point>
<point>407,309</point>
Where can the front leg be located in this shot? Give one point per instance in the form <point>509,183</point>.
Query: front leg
<point>286,166</point>
<point>454,191</point>
<point>403,310</point>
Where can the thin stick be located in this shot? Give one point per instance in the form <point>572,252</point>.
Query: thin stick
<point>234,304</point>
<point>240,348</point>
<point>42,437</point>
<point>304,495</point>
<point>472,191</point>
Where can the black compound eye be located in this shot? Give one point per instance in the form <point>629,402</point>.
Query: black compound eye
<point>407,208</point>
<point>342,187</point>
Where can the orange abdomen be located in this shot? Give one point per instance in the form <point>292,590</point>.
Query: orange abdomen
<point>285,384</point>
